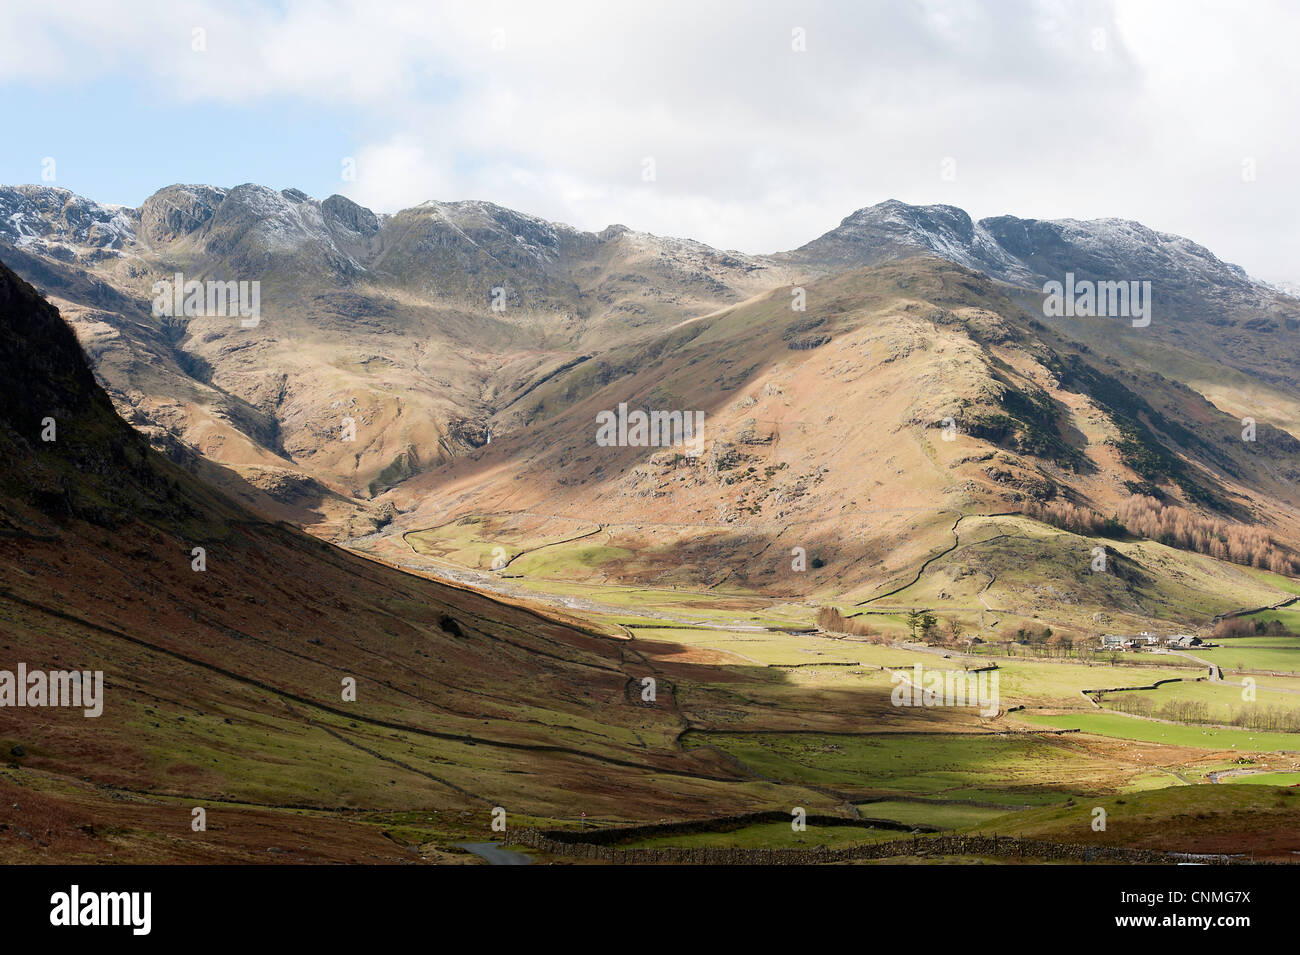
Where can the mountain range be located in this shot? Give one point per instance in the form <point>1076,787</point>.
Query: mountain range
<point>226,642</point>
<point>893,423</point>
<point>447,363</point>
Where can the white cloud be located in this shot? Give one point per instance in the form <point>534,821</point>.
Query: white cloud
<point>390,173</point>
<point>1144,109</point>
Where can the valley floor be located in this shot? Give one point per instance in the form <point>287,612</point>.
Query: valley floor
<point>605,706</point>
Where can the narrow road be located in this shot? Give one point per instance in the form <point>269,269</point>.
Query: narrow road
<point>1216,673</point>
<point>494,854</point>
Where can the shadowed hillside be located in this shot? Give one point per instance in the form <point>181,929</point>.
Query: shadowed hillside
<point>223,686</point>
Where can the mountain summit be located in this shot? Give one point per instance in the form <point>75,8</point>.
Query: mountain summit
<point>1027,251</point>
<point>409,351</point>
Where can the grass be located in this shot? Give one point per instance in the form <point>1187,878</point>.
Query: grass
<point>782,649</point>
<point>1224,701</point>
<point>1033,682</point>
<point>1289,584</point>
<point>668,606</point>
<point>935,765</point>
<point>1289,616</point>
<point>1150,731</point>
<point>1277,657</point>
<point>578,559</point>
<point>1004,560</point>
<point>1264,779</point>
<point>1240,820</point>
<point>943,815</point>
<point>774,835</point>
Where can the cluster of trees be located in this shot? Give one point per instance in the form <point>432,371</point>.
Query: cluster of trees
<point>932,630</point>
<point>1071,517</point>
<point>1185,711</point>
<point>1179,527</point>
<point>1139,703</point>
<point>922,622</point>
<point>829,618</point>
<point>1044,641</point>
<point>1047,643</point>
<point>1242,627</point>
<point>928,628</point>
<point>1144,516</point>
<point>1271,718</point>
<point>1033,637</point>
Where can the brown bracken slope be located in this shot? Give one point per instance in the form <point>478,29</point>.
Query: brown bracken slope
<point>224,687</point>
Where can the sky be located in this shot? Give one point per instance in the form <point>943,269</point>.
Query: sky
<point>749,125</point>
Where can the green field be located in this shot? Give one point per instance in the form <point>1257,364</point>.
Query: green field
<point>942,815</point>
<point>1003,558</point>
<point>1035,682</point>
<point>774,835</point>
<point>1149,731</point>
<point>1276,655</point>
<point>1264,779</point>
<point>996,768</point>
<point>1223,701</point>
<point>1289,616</point>
<point>813,711</point>
<point>1289,584</point>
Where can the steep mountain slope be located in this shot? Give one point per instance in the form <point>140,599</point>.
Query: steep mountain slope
<point>444,364</point>
<point>907,396</point>
<point>463,308</point>
<point>224,684</point>
<point>1212,327</point>
<point>386,340</point>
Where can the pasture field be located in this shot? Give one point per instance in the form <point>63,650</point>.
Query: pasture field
<point>666,606</point>
<point>999,561</point>
<point>1260,642</point>
<point>772,835</point>
<point>1232,820</point>
<point>568,561</point>
<point>1040,683</point>
<point>1171,734</point>
<point>776,649</point>
<point>942,815</point>
<point>949,765</point>
<point>1223,701</point>
<point>1289,616</point>
<point>463,544</point>
<point>807,718</point>
<point>1264,779</point>
<point>1290,585</point>
<point>1277,656</point>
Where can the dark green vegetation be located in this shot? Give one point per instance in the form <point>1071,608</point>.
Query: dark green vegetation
<point>1138,444</point>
